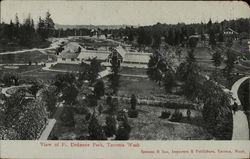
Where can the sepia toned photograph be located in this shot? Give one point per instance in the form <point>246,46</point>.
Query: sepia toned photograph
<point>117,70</point>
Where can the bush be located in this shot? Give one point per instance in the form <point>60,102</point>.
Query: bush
<point>111,125</point>
<point>133,113</point>
<point>122,115</point>
<point>114,105</point>
<point>68,117</point>
<point>176,117</point>
<point>123,131</point>
<point>95,129</point>
<point>133,102</point>
<point>165,114</point>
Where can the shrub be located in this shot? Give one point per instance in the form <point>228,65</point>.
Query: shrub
<point>122,115</point>
<point>123,131</point>
<point>133,102</point>
<point>133,113</point>
<point>176,117</point>
<point>109,100</point>
<point>111,125</point>
<point>68,117</point>
<point>165,114</point>
<point>114,105</point>
<point>95,130</point>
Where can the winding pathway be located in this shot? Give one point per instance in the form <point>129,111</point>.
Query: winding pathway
<point>240,122</point>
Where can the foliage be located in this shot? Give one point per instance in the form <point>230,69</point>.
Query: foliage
<point>69,94</point>
<point>216,111</point>
<point>8,134</point>
<point>49,96</point>
<point>68,117</point>
<point>111,125</point>
<point>63,80</point>
<point>10,78</point>
<point>231,58</point>
<point>157,65</point>
<point>36,86</point>
<point>143,37</point>
<point>123,131</point>
<point>114,105</point>
<point>99,88</point>
<point>114,77</point>
<point>133,102</point>
<point>26,117</point>
<point>31,120</point>
<point>169,81</point>
<point>217,59</point>
<point>133,113</point>
<point>91,100</point>
<point>109,100</point>
<point>95,129</point>
<point>176,116</point>
<point>165,114</point>
<point>45,27</point>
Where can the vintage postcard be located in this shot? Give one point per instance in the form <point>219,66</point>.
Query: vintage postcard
<point>124,79</point>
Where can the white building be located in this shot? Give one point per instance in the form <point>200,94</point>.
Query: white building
<point>130,59</point>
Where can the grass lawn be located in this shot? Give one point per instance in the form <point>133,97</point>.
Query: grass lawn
<point>95,42</point>
<point>20,69</point>
<point>26,57</point>
<point>67,67</point>
<point>39,75</point>
<point>133,71</point>
<point>5,47</point>
<point>147,126</point>
<point>70,67</point>
<point>139,86</point>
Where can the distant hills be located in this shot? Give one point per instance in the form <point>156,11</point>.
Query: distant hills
<point>64,27</point>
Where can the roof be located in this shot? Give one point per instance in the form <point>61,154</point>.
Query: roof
<point>121,51</point>
<point>68,55</point>
<point>71,47</point>
<point>137,57</point>
<point>231,30</point>
<point>90,54</point>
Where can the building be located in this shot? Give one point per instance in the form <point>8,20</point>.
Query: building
<point>230,34</point>
<point>133,59</point>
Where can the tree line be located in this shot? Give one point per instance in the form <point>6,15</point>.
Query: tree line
<point>26,33</point>
<point>179,33</point>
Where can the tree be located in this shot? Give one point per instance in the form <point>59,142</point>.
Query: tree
<point>212,40</point>
<point>99,88</point>
<point>94,69</point>
<point>70,93</point>
<point>49,96</point>
<point>114,77</point>
<point>49,24</point>
<point>10,78</point>
<point>27,32</point>
<point>221,37</point>
<point>111,125</point>
<point>63,80</point>
<point>156,41</point>
<point>123,132</point>
<point>231,58</point>
<point>217,60</point>
<point>216,111</point>
<point>13,106</point>
<point>169,81</point>
<point>31,120</point>
<point>36,86</point>
<point>41,30</point>
<point>156,67</point>
<point>133,102</point>
<point>95,129</point>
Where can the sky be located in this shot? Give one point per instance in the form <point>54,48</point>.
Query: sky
<point>125,12</point>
